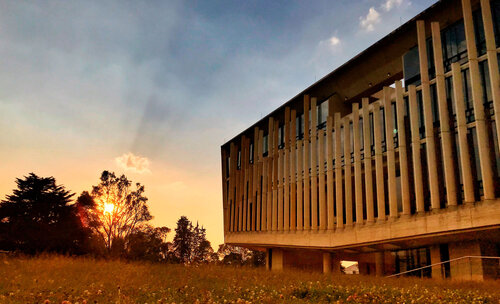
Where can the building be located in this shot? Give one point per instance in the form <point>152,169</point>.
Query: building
<point>395,163</point>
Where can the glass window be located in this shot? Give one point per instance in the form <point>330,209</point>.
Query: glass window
<point>299,126</point>
<point>239,160</point>
<point>265,145</point>
<point>281,137</point>
<point>411,67</point>
<point>251,153</point>
<point>411,64</point>
<point>322,114</point>
<point>454,44</point>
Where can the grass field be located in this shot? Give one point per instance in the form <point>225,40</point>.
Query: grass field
<point>55,279</point>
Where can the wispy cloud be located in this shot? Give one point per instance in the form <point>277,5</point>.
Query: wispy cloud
<point>368,22</point>
<point>134,163</point>
<point>332,43</point>
<point>390,4</point>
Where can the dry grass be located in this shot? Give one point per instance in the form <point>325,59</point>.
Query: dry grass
<point>79,280</point>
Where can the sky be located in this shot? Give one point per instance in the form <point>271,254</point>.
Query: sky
<point>152,89</point>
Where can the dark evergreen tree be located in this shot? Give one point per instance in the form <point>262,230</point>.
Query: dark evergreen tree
<point>183,240</point>
<point>38,217</point>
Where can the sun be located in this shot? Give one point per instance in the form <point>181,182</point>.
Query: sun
<point>108,208</point>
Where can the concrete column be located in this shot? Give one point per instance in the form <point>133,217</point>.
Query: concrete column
<point>327,262</point>
<point>277,259</point>
<point>379,264</point>
<point>232,178</point>
<point>465,165</point>
<point>491,53</point>
<point>307,179</point>
<point>314,165</point>
<point>224,189</point>
<point>257,165</point>
<point>379,162</point>
<point>259,198</point>
<point>358,184</point>
<point>262,187</point>
<point>246,186</point>
<point>347,172</point>
<point>329,174</point>
<point>241,178</point>
<point>268,259</point>
<point>338,173</point>
<point>429,124</point>
<point>321,180</point>
<point>467,268</point>
<point>403,156</point>
<point>336,266</point>
<point>477,100</point>
<point>417,164</point>
<point>281,156</point>
<point>286,172</point>
<point>275,176</point>
<point>391,159</point>
<point>368,162</point>
<point>300,180</point>
<point>269,175</point>
<point>436,258</point>
<point>447,154</point>
<point>293,169</point>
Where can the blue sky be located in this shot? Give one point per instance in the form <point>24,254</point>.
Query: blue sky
<point>153,88</point>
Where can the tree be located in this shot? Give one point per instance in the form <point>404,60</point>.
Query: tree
<point>148,243</point>
<point>235,255</point>
<point>201,248</point>
<point>38,217</point>
<point>183,240</point>
<point>119,209</point>
<point>190,243</point>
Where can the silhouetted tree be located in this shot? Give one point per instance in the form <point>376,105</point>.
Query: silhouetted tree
<point>38,217</point>
<point>239,256</point>
<point>148,243</point>
<point>118,211</point>
<point>201,248</point>
<point>183,240</point>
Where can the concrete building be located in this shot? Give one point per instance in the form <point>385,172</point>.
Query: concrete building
<point>391,160</point>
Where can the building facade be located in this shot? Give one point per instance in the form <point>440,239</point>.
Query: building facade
<point>392,160</point>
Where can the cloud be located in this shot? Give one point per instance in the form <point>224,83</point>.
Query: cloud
<point>390,4</point>
<point>332,43</point>
<point>372,18</point>
<point>134,163</point>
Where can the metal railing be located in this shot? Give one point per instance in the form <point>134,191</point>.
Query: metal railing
<point>468,259</point>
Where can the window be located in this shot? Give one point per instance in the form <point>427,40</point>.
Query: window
<point>251,153</point>
<point>265,145</point>
<point>411,64</point>
<point>322,114</point>
<point>454,44</point>
<point>238,166</point>
<point>281,137</point>
<point>412,259</point>
<point>299,126</point>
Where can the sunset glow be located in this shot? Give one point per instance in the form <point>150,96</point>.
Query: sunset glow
<point>108,208</point>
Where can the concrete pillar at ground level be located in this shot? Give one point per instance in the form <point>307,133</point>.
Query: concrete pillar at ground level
<point>379,264</point>
<point>436,258</point>
<point>268,259</point>
<point>327,262</point>
<point>276,259</point>
<point>336,265</point>
<point>466,268</point>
